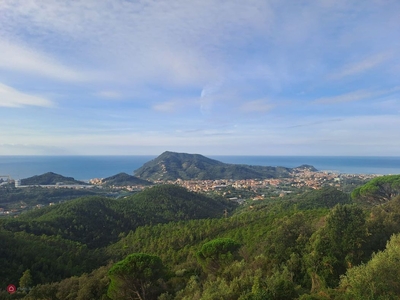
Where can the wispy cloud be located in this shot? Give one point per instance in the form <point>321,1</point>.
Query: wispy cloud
<point>10,97</point>
<point>170,43</point>
<point>316,123</point>
<point>22,59</point>
<point>361,66</point>
<point>170,106</point>
<point>195,64</point>
<point>34,149</point>
<point>348,97</point>
<point>108,94</point>
<point>260,106</point>
<point>355,96</point>
<point>175,105</point>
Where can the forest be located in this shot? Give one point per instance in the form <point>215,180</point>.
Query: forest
<point>168,243</point>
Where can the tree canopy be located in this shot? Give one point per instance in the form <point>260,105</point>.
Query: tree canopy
<point>136,277</point>
<point>377,279</point>
<point>378,190</point>
<point>268,249</point>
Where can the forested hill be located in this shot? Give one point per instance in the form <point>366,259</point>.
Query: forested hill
<point>49,178</point>
<point>97,221</point>
<point>172,166</point>
<point>377,191</point>
<point>123,179</point>
<point>313,245</point>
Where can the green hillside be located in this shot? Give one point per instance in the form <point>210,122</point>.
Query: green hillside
<point>172,166</point>
<point>276,254</point>
<point>49,178</point>
<point>98,221</point>
<point>183,246</point>
<point>49,258</point>
<point>326,197</point>
<point>94,221</point>
<point>123,179</point>
<point>39,195</point>
<point>167,203</point>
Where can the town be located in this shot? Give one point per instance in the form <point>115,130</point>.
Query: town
<point>239,191</point>
<point>258,189</point>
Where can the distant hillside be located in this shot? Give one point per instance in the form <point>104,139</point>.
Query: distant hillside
<point>172,166</point>
<point>306,167</point>
<point>165,203</point>
<point>123,179</point>
<point>49,178</point>
<point>327,197</point>
<point>97,221</point>
<point>32,196</point>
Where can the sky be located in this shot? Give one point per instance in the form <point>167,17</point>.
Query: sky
<point>215,77</point>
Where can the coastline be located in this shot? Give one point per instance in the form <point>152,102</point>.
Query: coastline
<point>88,167</point>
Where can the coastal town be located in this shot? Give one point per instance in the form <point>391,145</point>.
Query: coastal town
<point>304,179</point>
<point>239,191</point>
<point>259,189</point>
<point>263,188</point>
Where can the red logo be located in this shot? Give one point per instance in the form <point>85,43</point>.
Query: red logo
<point>11,289</point>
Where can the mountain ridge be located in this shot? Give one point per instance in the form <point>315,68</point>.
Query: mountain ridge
<point>173,165</point>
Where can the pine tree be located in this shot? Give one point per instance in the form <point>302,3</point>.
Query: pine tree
<point>26,280</point>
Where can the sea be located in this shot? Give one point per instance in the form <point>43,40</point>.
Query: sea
<point>88,167</point>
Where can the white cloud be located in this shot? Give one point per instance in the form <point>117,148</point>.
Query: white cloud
<point>348,97</point>
<point>344,137</point>
<point>159,55</point>
<point>361,66</point>
<point>170,106</point>
<point>10,97</point>
<point>190,42</point>
<point>355,96</point>
<point>175,42</point>
<point>26,60</point>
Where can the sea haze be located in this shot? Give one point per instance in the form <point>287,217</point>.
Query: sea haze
<point>87,167</point>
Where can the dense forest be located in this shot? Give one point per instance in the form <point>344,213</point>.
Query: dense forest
<point>168,243</point>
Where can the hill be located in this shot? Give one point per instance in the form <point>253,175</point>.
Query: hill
<point>49,178</point>
<point>165,203</point>
<point>306,167</point>
<point>97,221</point>
<point>123,179</point>
<point>327,197</point>
<point>285,252</point>
<point>172,166</point>
<point>378,190</point>
<point>31,196</point>
<point>49,258</point>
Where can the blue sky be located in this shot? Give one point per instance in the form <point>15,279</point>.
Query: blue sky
<point>268,77</point>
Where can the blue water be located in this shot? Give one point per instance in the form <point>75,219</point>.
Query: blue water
<point>87,167</point>
<point>383,165</point>
<point>79,167</point>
